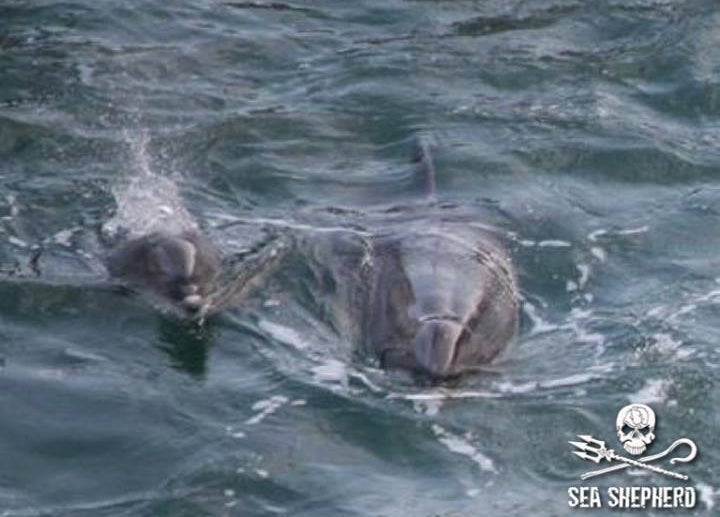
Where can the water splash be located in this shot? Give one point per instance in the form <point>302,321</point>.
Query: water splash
<point>266,408</point>
<point>654,391</point>
<point>147,201</point>
<point>461,445</point>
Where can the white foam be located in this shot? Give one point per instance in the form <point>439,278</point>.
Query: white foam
<point>584,270</point>
<point>690,306</point>
<point>283,334</point>
<point>654,391</point>
<point>516,389</point>
<point>576,379</point>
<point>442,394</point>
<point>655,312</point>
<point>364,380</point>
<point>685,309</point>
<point>634,231</point>
<point>147,201</point>
<point>709,297</point>
<point>593,236</point>
<point>539,325</point>
<point>460,445</point>
<point>18,242</point>
<point>266,407</point>
<point>599,253</point>
<point>570,380</point>
<point>609,367</point>
<point>589,337</point>
<point>665,344</point>
<point>707,494</point>
<point>234,433</point>
<point>554,244</point>
<point>63,237</point>
<point>332,371</point>
<point>12,202</point>
<point>578,313</point>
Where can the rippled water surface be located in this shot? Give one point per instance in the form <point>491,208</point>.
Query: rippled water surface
<point>587,133</point>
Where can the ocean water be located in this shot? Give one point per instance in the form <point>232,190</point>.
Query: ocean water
<point>586,133</point>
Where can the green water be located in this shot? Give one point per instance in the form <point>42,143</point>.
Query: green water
<point>587,133</point>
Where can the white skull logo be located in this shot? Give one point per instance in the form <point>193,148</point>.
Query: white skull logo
<point>635,425</point>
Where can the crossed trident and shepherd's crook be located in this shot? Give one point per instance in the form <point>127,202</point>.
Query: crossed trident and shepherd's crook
<point>595,450</point>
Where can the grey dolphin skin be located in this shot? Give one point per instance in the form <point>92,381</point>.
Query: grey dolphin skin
<point>439,304</point>
<point>182,268</point>
<point>442,297</point>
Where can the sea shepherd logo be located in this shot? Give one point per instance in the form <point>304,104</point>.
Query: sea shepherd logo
<point>635,426</point>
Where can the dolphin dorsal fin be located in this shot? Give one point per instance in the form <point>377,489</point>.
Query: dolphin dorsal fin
<point>424,167</point>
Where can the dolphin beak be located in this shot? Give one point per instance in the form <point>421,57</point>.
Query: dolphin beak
<point>436,344</point>
<point>191,297</point>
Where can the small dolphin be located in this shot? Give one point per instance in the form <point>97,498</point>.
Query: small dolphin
<point>182,267</point>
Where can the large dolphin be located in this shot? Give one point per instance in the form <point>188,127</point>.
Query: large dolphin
<point>428,293</point>
<point>449,290</point>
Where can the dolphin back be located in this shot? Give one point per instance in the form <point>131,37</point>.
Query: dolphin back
<point>442,296</point>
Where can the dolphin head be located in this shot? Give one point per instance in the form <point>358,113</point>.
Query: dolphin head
<point>179,267</point>
<point>442,304</point>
